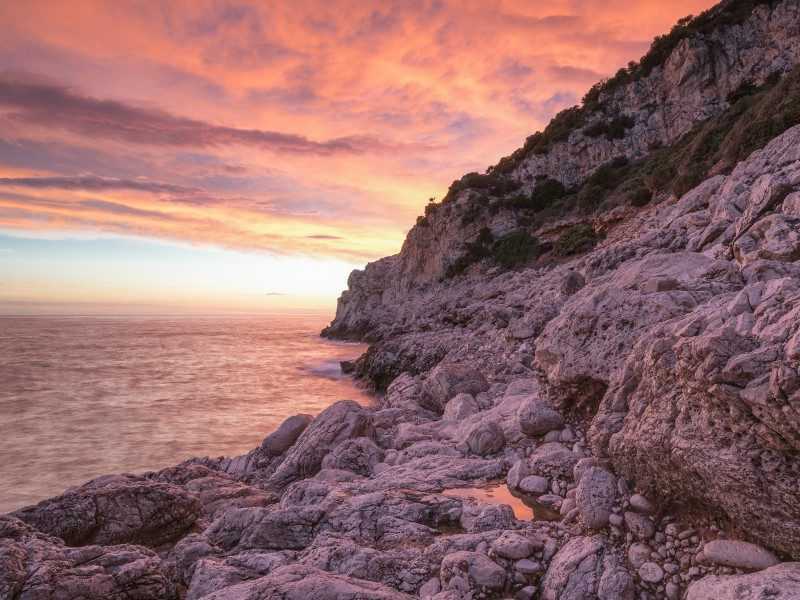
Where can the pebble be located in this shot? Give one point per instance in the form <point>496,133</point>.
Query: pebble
<point>528,567</point>
<point>641,504</point>
<point>673,591</point>
<point>651,572</point>
<point>641,526</point>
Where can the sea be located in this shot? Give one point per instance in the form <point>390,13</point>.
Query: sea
<point>87,396</point>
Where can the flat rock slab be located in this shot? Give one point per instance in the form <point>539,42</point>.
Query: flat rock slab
<point>741,555</point>
<point>781,582</point>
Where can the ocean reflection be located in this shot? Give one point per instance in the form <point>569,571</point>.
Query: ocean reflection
<point>82,397</point>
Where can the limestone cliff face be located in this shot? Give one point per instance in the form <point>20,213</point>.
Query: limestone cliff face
<point>693,84</point>
<point>675,339</point>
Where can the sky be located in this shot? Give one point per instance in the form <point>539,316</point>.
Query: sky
<point>246,156</point>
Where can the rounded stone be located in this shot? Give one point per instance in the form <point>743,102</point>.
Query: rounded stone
<point>651,572</point>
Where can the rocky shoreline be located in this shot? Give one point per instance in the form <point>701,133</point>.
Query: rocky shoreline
<point>641,392</point>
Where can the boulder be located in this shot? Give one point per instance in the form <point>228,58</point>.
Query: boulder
<point>460,407</point>
<point>781,582</point>
<point>115,510</point>
<point>34,565</point>
<point>341,421</point>
<point>595,496</point>
<point>446,381</point>
<point>280,440</point>
<point>552,460</point>
<point>534,485</point>
<point>737,554</point>
<point>513,545</point>
<point>484,438</point>
<point>471,572</point>
<point>537,417</point>
<point>358,455</point>
<point>586,568</point>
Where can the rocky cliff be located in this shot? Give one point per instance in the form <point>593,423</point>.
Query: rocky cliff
<point>603,327</point>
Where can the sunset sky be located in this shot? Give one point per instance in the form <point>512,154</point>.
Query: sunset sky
<point>246,156</point>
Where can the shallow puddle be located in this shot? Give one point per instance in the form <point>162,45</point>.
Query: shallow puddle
<point>525,507</point>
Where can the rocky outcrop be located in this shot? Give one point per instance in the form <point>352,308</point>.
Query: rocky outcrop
<point>116,510</point>
<point>34,565</point>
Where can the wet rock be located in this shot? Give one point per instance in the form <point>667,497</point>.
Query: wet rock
<point>359,455</point>
<point>280,440</point>
<point>781,582</point>
<point>537,417</point>
<point>741,555</point>
<point>115,510</point>
<point>595,497</point>
<point>341,421</point>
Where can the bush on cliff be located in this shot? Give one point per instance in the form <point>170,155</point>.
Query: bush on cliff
<point>515,248</point>
<point>575,240</point>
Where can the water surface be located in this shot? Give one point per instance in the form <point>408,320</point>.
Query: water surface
<point>87,396</point>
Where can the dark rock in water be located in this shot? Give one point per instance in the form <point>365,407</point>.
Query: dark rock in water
<point>116,509</point>
<point>341,421</point>
<point>280,440</point>
<point>348,366</point>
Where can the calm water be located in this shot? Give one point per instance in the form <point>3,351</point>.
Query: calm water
<point>86,396</point>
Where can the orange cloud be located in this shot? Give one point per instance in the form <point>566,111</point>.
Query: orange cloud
<point>308,127</point>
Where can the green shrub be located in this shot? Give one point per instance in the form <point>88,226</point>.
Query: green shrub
<point>515,248</point>
<point>613,130</point>
<point>575,240</point>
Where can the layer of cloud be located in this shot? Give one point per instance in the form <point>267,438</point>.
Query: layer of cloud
<point>312,127</point>
<point>48,105</point>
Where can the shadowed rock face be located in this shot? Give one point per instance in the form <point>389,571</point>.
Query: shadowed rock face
<point>116,510</point>
<point>341,421</point>
<point>34,565</point>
